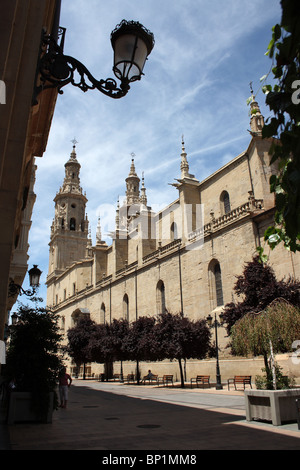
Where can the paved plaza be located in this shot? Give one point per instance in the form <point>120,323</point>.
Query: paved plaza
<point>113,417</point>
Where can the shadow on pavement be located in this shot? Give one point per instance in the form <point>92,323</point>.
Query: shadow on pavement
<point>98,420</point>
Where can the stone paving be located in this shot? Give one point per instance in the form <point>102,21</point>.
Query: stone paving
<point>118,417</point>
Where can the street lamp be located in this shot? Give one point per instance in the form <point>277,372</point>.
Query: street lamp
<point>34,276</point>
<point>131,42</point>
<point>216,324</point>
<point>34,280</point>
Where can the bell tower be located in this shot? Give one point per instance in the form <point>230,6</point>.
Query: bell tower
<point>132,186</point>
<point>69,230</point>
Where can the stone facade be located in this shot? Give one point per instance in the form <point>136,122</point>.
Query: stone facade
<point>25,125</point>
<point>184,258</point>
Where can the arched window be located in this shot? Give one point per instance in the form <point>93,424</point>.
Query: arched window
<point>218,284</point>
<point>160,297</point>
<point>126,307</point>
<point>174,231</point>
<point>78,314</point>
<point>72,224</point>
<point>102,313</point>
<point>225,202</point>
<point>215,283</point>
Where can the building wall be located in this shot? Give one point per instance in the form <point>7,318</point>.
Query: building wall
<point>117,282</point>
<point>24,127</point>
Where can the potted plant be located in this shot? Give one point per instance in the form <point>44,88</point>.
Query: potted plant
<point>32,365</point>
<point>266,333</point>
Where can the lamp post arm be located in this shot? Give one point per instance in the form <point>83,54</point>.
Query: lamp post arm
<point>56,70</point>
<point>16,289</point>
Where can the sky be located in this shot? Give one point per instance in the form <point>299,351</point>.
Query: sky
<point>195,84</point>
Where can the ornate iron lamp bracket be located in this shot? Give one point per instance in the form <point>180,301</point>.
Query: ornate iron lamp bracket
<point>56,70</point>
<point>16,289</point>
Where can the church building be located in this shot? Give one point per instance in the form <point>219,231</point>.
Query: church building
<point>184,258</point>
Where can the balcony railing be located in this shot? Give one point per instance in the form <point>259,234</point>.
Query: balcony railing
<point>226,219</point>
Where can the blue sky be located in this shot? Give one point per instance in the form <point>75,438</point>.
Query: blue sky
<point>196,84</point>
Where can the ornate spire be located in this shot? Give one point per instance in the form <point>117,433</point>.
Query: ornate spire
<point>256,119</point>
<point>118,215</point>
<point>73,156</point>
<point>184,166</point>
<point>72,169</point>
<point>99,240</point>
<point>132,171</point>
<point>132,185</point>
<point>186,176</point>
<point>98,232</point>
<point>143,197</point>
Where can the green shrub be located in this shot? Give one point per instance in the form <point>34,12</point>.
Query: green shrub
<point>265,382</point>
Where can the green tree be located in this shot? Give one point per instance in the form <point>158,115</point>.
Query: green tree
<point>140,344</point>
<point>119,332</point>
<point>100,346</point>
<point>34,357</point>
<point>258,287</point>
<point>268,332</point>
<point>178,337</point>
<point>283,100</point>
<point>78,346</point>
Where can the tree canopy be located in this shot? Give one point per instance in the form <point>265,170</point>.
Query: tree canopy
<point>140,343</point>
<point>79,340</point>
<point>258,287</point>
<point>283,100</point>
<point>273,330</point>
<point>167,336</point>
<point>34,357</point>
<point>278,323</point>
<point>180,338</point>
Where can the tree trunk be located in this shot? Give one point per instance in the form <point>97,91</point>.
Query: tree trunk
<point>181,373</point>
<point>268,370</point>
<point>272,365</point>
<point>121,372</point>
<point>137,372</point>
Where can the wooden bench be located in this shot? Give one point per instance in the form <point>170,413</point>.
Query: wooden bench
<point>166,379</point>
<point>154,378</point>
<point>87,376</point>
<point>116,377</point>
<point>129,378</point>
<point>201,380</point>
<point>240,379</point>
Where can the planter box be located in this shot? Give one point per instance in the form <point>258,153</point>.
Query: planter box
<point>277,406</point>
<point>19,409</point>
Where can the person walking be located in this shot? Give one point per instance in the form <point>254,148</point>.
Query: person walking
<point>64,382</point>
